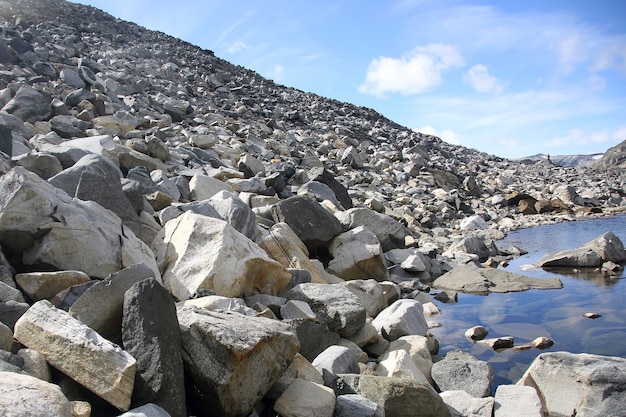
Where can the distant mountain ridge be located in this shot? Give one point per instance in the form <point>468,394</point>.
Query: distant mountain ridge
<point>614,158</point>
<point>573,161</point>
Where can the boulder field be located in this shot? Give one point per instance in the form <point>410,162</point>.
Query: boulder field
<point>181,237</point>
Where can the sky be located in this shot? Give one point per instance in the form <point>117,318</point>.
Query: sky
<point>511,78</point>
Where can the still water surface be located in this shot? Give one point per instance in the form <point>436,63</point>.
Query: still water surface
<point>552,313</point>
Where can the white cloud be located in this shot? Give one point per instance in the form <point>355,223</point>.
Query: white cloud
<point>236,46</point>
<point>479,78</point>
<point>276,73</point>
<point>447,135</point>
<point>416,72</point>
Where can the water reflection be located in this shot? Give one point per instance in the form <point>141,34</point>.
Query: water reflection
<point>557,314</point>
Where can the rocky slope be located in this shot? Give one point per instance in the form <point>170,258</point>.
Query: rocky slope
<point>614,158</point>
<point>184,236</point>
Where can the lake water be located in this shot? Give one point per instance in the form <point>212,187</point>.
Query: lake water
<point>557,314</point>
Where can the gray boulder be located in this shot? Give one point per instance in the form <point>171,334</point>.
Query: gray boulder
<point>95,178</point>
<point>232,209</point>
<point>403,318</point>
<point>29,105</point>
<point>64,233</point>
<point>462,371</point>
<point>151,334</point>
<point>312,223</point>
<point>334,305</point>
<point>337,360</point>
<point>399,397</point>
<point>357,254</point>
<point>100,307</point>
<point>390,232</point>
<point>306,399</point>
<point>578,384</point>
<point>233,360</point>
<point>314,337</point>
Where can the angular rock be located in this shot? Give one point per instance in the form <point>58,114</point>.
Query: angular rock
<point>398,364</point>
<point>306,399</point>
<point>97,364</point>
<point>354,405</point>
<point>294,309</point>
<point>197,252</point>
<point>371,294</point>
<point>314,338</point>
<point>8,293</point>
<point>29,105</point>
<point>470,279</point>
<point>95,178</point>
<point>283,245</point>
<point>463,372</point>
<point>399,397</point>
<point>42,164</point>
<point>466,405</point>
<point>24,395</point>
<point>62,232</point>
<point>357,254</point>
<point>233,360</point>
<point>581,384</point>
<point>203,187</point>
<point>219,303</point>
<point>232,209</point>
<point>11,311</point>
<point>151,334</point>
<point>473,245</point>
<point>418,349</point>
<point>390,232</point>
<point>334,305</point>
<point>476,333</point>
<point>312,223</point>
<point>45,285</point>
<point>337,360</point>
<point>402,318</point>
<point>101,306</point>
<point>517,401</point>
<point>474,222</point>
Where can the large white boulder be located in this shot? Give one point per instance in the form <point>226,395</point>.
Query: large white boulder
<point>198,252</point>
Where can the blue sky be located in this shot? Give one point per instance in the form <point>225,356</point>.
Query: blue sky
<point>510,78</point>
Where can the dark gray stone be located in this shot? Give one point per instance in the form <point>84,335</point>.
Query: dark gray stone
<point>311,222</point>
<point>151,334</point>
<point>326,177</point>
<point>76,96</point>
<point>314,337</point>
<point>101,306</point>
<point>6,140</point>
<point>29,105</point>
<point>96,178</point>
<point>11,311</point>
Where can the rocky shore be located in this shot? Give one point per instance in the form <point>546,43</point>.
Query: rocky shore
<point>181,237</point>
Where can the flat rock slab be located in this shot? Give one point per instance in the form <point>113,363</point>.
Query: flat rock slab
<point>470,279</point>
<point>232,359</point>
<point>79,352</point>
<point>579,384</point>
